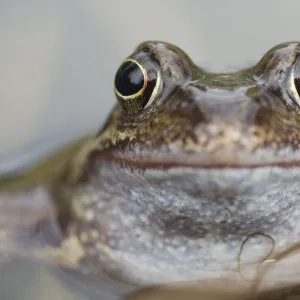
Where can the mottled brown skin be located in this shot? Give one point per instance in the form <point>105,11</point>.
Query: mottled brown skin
<point>201,110</point>
<point>217,126</point>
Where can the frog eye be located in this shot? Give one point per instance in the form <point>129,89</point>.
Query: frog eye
<point>294,82</point>
<point>135,87</point>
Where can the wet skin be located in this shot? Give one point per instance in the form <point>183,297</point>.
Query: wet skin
<point>193,177</point>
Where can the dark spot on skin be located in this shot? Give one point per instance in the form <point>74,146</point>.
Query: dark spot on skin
<point>169,72</point>
<point>180,225</point>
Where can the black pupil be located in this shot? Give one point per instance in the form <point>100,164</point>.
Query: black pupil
<point>129,79</point>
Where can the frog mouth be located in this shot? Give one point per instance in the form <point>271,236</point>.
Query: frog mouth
<point>202,161</point>
<point>139,164</point>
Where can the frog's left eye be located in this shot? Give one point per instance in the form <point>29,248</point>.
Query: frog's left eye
<point>294,81</point>
<point>136,87</point>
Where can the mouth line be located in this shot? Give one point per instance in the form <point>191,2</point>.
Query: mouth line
<point>159,164</point>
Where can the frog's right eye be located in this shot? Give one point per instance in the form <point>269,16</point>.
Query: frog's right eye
<point>136,87</point>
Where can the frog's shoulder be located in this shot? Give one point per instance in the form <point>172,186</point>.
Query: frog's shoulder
<point>44,171</point>
<point>29,225</point>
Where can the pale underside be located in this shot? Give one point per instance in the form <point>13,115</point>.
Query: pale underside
<point>273,265</point>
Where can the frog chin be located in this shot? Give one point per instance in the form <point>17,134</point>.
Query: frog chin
<point>186,223</point>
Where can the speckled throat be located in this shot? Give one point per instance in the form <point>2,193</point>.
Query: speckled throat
<point>153,226</point>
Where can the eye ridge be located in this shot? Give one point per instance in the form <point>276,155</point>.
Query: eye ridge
<point>145,80</point>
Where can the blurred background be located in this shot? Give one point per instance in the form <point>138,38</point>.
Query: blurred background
<point>57,65</point>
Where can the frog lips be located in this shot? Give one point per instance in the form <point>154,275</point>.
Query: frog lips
<point>204,161</point>
<point>169,164</point>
